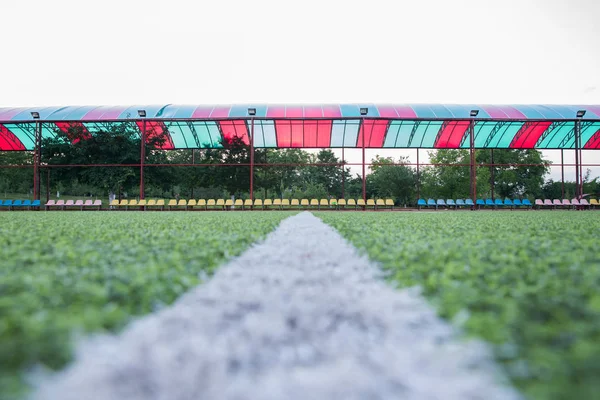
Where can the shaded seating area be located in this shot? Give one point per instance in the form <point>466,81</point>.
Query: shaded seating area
<point>489,203</point>
<point>11,205</point>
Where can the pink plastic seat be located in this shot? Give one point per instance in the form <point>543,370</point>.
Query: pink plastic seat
<point>60,203</point>
<point>98,203</point>
<point>69,203</point>
<point>557,202</point>
<point>88,203</point>
<point>548,202</point>
<point>539,202</point>
<point>566,202</point>
<point>50,203</point>
<point>575,202</point>
<point>584,202</point>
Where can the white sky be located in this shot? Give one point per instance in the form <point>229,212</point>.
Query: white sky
<point>73,52</point>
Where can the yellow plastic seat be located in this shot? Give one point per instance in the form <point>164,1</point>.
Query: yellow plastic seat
<point>123,203</point>
<point>285,203</point>
<point>220,203</point>
<point>351,202</point>
<point>323,202</point>
<point>161,203</point>
<point>172,203</point>
<point>268,203</point>
<point>228,203</point>
<point>192,203</point>
<point>239,203</point>
<point>341,202</point>
<point>182,203</point>
<point>360,202</point>
<point>314,203</point>
<point>389,203</point>
<point>133,202</point>
<point>151,203</point>
<point>380,203</point>
<point>594,202</point>
<point>371,203</point>
<point>211,203</point>
<point>248,203</point>
<point>258,203</point>
<point>277,203</point>
<point>115,202</point>
<point>142,203</point>
<point>295,203</point>
<point>304,203</point>
<point>201,203</point>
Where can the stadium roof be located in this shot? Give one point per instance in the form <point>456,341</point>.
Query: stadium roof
<point>318,126</point>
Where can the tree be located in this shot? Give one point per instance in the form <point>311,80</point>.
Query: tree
<point>16,180</point>
<point>516,180</point>
<point>388,180</point>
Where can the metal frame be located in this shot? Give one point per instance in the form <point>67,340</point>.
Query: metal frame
<point>361,127</point>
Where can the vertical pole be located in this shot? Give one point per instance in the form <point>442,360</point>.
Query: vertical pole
<point>580,161</point>
<point>193,170</point>
<point>47,185</point>
<point>36,161</point>
<point>576,133</point>
<point>418,177</point>
<point>252,158</point>
<point>364,180</point>
<point>562,173</point>
<point>472,150</point>
<point>142,158</point>
<point>492,172</point>
<point>343,174</point>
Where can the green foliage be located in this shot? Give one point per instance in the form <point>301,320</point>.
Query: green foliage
<point>526,282</point>
<point>392,181</point>
<point>64,273</point>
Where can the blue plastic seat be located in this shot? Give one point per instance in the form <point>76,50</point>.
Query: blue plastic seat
<point>460,203</point>
<point>498,203</point>
<point>480,202</point>
<point>0,203</point>
<point>35,203</point>
<point>517,202</point>
<point>26,203</point>
<point>7,203</point>
<point>421,203</point>
<point>17,203</point>
<point>508,202</point>
<point>469,202</point>
<point>450,203</point>
<point>489,203</point>
<point>431,203</point>
<point>441,202</point>
<point>527,203</point>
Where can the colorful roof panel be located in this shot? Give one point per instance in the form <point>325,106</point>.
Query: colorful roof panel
<point>319,126</point>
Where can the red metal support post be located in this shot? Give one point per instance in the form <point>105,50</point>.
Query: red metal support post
<point>576,137</point>
<point>37,160</point>
<point>47,185</point>
<point>364,178</point>
<point>252,158</point>
<point>418,177</point>
<point>472,151</point>
<point>492,172</point>
<point>142,158</point>
<point>562,173</point>
<point>343,173</point>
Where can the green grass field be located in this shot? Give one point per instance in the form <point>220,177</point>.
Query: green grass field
<point>527,282</point>
<point>65,273</point>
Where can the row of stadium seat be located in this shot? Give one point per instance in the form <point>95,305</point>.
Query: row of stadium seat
<point>64,204</point>
<point>539,203</point>
<point>450,203</point>
<point>12,204</point>
<point>257,203</point>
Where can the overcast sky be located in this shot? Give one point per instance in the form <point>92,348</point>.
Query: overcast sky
<point>73,52</point>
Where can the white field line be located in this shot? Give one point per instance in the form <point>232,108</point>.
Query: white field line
<point>300,316</point>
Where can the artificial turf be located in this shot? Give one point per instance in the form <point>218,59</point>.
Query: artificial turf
<point>526,282</point>
<point>64,273</point>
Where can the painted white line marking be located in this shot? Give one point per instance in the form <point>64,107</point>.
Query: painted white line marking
<point>299,316</point>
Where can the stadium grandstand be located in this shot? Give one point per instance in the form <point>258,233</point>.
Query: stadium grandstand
<point>359,126</point>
